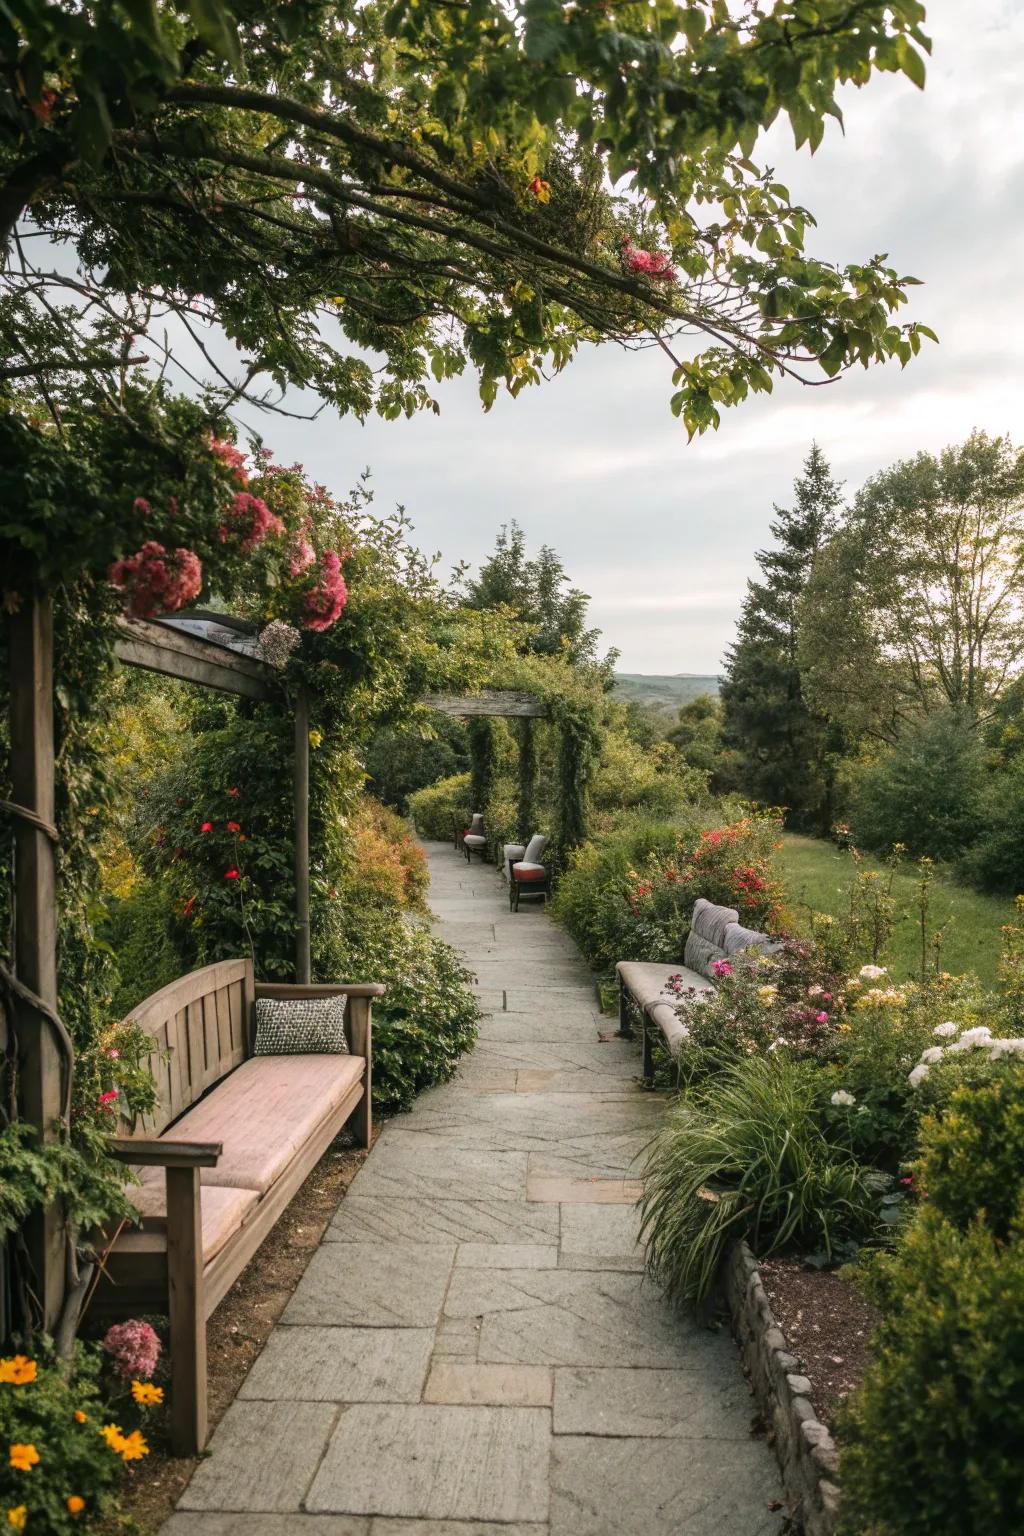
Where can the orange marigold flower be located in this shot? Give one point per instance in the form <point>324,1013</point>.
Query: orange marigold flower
<point>112,1435</point>
<point>24,1457</point>
<point>76,1504</point>
<point>145,1393</point>
<point>17,1371</point>
<point>17,1517</point>
<point>80,1417</point>
<point>133,1447</point>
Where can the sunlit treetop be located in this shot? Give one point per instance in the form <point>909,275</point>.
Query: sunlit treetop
<point>369,197</point>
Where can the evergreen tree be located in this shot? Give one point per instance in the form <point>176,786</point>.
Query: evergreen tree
<point>538,591</point>
<point>784,750</point>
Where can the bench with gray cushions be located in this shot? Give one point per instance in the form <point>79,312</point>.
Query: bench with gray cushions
<point>716,933</point>
<point>233,1137</point>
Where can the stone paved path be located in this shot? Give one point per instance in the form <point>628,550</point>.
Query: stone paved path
<point>473,1350</point>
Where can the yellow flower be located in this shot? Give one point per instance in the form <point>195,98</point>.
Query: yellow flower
<point>80,1417</point>
<point>315,738</point>
<point>17,1371</point>
<point>76,1504</point>
<point>133,1447</point>
<point>24,1457</point>
<point>112,1435</point>
<point>17,1516</point>
<point>145,1393</point>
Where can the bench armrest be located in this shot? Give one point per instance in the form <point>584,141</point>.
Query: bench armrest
<point>164,1152</point>
<point>283,989</point>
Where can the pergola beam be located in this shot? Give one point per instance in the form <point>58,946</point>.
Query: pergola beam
<point>175,653</point>
<point>506,703</point>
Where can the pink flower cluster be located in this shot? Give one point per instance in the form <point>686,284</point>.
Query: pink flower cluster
<point>135,1348</point>
<point>156,581</point>
<point>650,263</point>
<point>249,522</point>
<point>233,457</point>
<point>327,598</point>
<point>302,554</point>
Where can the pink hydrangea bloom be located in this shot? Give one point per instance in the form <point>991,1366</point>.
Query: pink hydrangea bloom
<point>721,967</point>
<point>157,581</point>
<point>233,457</point>
<point>249,522</point>
<point>327,598</point>
<point>135,1348</point>
<point>650,263</point>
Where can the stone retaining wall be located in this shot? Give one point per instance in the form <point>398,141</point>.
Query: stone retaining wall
<point>805,1450</point>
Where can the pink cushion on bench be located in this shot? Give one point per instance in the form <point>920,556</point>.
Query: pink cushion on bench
<point>265,1111</point>
<point>223,1208</point>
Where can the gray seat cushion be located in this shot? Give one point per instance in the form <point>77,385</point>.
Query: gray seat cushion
<point>648,984</point>
<point>474,840</point>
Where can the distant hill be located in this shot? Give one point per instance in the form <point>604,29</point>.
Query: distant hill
<point>666,694</point>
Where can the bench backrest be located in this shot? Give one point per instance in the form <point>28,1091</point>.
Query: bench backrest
<point>201,1028</point>
<point>716,934</point>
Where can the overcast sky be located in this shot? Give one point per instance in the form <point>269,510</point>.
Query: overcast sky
<point>663,534</point>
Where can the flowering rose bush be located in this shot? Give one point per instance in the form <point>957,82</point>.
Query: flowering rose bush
<point>156,580</point>
<point>763,1003</point>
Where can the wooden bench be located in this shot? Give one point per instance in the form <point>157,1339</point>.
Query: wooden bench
<point>237,1135</point>
<point>645,996</point>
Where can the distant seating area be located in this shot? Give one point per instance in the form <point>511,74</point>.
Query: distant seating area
<point>645,996</point>
<point>474,838</point>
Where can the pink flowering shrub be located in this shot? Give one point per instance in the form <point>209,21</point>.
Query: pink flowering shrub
<point>248,522</point>
<point>326,599</point>
<point>157,581</point>
<point>648,263</point>
<point>233,457</point>
<point>134,1347</point>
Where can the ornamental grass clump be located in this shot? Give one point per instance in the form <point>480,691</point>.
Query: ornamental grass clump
<point>747,1157</point>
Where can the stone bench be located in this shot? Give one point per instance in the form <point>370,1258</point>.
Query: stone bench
<point>233,1138</point>
<point>645,995</point>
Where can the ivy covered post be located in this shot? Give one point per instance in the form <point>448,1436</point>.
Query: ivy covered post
<point>40,1068</point>
<point>481,762</point>
<point>525,810</point>
<point>303,970</point>
<point>578,745</point>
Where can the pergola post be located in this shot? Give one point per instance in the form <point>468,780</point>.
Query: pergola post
<point>35,918</point>
<point>303,972</point>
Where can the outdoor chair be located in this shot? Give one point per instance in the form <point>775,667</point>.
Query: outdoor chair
<point>474,839</point>
<point>527,875</point>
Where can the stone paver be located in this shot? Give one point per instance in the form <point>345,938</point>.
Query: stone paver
<point>473,1349</point>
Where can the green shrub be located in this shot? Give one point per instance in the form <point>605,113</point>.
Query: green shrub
<point>65,1457</point>
<point>432,809</point>
<point>996,861</point>
<point>924,792</point>
<point>427,1018</point>
<point>748,1157</point>
<point>972,1156</point>
<point>401,762</point>
<point>140,931</point>
<point>931,1439</point>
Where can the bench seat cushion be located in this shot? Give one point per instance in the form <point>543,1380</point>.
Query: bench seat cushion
<point>648,983</point>
<point>265,1111</point>
<point>223,1208</point>
<point>474,840</point>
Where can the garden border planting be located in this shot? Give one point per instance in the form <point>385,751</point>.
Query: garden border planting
<point>804,1448</point>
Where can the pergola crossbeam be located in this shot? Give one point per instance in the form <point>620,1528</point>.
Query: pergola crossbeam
<point>505,703</point>
<point>175,652</point>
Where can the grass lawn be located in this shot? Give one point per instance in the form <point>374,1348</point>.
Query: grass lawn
<point>816,874</point>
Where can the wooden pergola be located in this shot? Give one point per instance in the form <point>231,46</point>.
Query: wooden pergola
<point>211,650</point>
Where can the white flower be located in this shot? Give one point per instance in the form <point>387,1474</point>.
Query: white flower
<point>919,1074</point>
<point>872,972</point>
<point>957,1046</point>
<point>979,1036</point>
<point>842,1099</point>
<point>944,1031</point>
<point>998,1048</point>
<point>277,642</point>
<point>933,1054</point>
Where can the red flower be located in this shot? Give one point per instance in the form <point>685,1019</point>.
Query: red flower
<point>235,791</point>
<point>186,910</point>
<point>233,826</point>
<point>207,826</point>
<point>106,1100</point>
<point>232,874</point>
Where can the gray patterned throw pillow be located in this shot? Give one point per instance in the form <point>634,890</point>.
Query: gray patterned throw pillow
<point>300,1026</point>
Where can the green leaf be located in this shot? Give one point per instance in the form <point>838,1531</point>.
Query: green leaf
<point>215,26</point>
